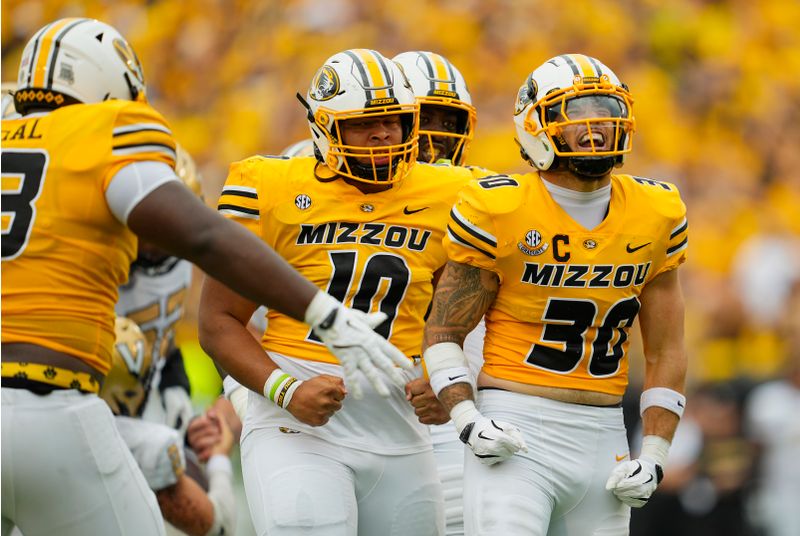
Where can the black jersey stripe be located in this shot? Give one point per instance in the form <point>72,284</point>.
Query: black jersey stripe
<point>679,230</point>
<point>677,246</point>
<point>460,240</point>
<point>239,193</point>
<point>471,231</point>
<point>238,208</point>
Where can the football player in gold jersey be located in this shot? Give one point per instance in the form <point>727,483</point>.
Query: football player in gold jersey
<point>562,261</point>
<point>366,223</point>
<point>447,121</point>
<point>85,169</point>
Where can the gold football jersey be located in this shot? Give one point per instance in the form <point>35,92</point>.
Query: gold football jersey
<point>64,252</point>
<point>568,295</point>
<point>373,252</point>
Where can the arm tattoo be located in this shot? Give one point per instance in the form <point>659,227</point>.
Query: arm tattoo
<point>463,294</point>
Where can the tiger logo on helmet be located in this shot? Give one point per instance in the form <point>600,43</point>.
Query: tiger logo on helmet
<point>437,83</point>
<point>568,91</point>
<point>362,84</point>
<point>77,60</point>
<point>127,383</point>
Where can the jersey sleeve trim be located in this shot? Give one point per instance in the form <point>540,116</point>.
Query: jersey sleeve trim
<point>678,238</point>
<point>239,207</point>
<point>455,238</point>
<point>140,127</point>
<point>473,230</point>
<point>681,227</point>
<point>678,247</point>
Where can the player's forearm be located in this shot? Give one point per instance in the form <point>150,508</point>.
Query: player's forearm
<point>176,221</point>
<point>221,495</point>
<point>187,507</point>
<point>451,395</point>
<point>463,294</point>
<point>244,263</point>
<point>228,342</point>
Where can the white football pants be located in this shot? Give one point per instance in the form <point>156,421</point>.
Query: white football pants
<point>557,488</point>
<point>298,484</point>
<point>67,471</point>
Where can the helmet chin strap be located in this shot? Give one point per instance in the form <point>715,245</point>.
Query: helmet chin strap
<point>364,171</point>
<point>590,167</point>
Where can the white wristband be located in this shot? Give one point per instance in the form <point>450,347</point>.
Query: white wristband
<point>450,376</point>
<point>464,413</point>
<point>219,462</point>
<point>656,449</point>
<point>280,387</point>
<point>229,385</point>
<point>320,308</point>
<point>663,398</point>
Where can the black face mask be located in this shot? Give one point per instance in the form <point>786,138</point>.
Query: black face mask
<point>591,167</point>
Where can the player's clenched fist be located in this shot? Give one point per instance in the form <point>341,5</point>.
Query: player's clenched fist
<point>317,399</point>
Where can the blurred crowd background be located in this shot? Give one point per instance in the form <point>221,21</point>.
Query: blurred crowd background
<point>717,102</point>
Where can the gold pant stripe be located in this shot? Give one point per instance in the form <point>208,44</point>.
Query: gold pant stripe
<point>59,377</point>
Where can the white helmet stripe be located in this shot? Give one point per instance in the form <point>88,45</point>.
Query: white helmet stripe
<point>365,81</point>
<point>572,64</point>
<point>56,46</point>
<point>596,65</point>
<point>387,76</point>
<point>34,55</point>
<point>431,73</point>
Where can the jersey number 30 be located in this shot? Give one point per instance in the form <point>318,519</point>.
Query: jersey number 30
<point>566,324</point>
<point>23,178</point>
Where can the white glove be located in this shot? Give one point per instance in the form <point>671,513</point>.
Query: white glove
<point>634,481</point>
<point>349,335</point>
<point>491,441</point>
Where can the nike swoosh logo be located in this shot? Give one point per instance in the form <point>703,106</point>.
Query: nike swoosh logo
<point>480,434</point>
<point>680,404</point>
<point>629,249</point>
<point>451,378</point>
<point>620,458</point>
<point>407,211</point>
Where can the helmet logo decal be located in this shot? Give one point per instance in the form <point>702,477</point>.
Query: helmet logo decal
<point>533,243</point>
<point>527,92</point>
<point>128,57</point>
<point>325,84</point>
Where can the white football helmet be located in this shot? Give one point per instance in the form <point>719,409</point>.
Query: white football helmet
<point>300,148</point>
<point>7,90</point>
<point>77,60</point>
<point>126,385</point>
<point>361,83</point>
<point>437,82</point>
<point>561,85</point>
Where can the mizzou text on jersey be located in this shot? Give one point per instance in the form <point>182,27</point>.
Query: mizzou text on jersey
<point>373,252</point>
<point>568,296</point>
